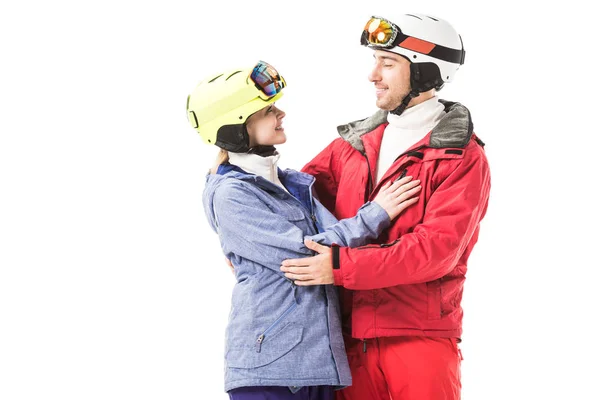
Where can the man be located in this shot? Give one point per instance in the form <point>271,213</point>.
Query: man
<point>401,297</point>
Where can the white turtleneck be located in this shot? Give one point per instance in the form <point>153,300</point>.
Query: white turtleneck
<point>265,167</point>
<point>405,130</point>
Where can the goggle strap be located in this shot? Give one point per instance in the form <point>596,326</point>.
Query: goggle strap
<point>430,49</point>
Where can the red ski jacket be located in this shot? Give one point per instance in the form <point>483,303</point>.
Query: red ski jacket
<point>410,281</point>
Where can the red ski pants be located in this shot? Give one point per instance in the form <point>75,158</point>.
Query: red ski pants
<point>403,368</point>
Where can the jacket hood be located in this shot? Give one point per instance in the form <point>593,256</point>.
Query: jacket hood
<point>213,181</point>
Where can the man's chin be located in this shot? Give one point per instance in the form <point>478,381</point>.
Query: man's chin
<point>383,105</point>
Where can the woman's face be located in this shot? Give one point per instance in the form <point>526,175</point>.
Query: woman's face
<point>264,127</point>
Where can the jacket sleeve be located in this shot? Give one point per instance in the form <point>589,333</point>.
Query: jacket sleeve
<point>366,226</point>
<point>248,228</point>
<point>324,168</point>
<point>434,247</point>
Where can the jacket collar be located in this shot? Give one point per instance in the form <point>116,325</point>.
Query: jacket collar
<point>454,129</point>
<point>289,177</point>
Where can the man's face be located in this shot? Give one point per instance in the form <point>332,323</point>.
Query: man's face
<point>391,77</point>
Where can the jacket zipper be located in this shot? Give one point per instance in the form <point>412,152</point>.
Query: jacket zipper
<point>402,175</point>
<point>262,337</point>
<point>317,226</point>
<point>378,246</point>
<point>369,181</point>
<point>312,208</point>
<point>383,245</point>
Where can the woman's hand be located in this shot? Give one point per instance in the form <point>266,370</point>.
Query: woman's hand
<point>398,196</point>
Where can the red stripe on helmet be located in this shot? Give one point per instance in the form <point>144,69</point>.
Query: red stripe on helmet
<point>418,45</point>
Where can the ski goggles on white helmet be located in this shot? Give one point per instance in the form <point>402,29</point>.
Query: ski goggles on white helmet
<point>380,33</point>
<point>267,80</point>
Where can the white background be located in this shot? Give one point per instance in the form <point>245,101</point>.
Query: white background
<point>112,285</point>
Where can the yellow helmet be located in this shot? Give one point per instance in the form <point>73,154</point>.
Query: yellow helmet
<point>220,105</point>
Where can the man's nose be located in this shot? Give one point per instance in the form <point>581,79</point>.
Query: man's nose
<point>374,75</point>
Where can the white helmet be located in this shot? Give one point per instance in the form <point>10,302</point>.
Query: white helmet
<point>431,44</point>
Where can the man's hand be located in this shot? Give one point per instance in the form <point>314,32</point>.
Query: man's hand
<point>230,265</point>
<point>316,270</point>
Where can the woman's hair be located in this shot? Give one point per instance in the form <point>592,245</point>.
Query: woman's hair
<point>222,157</point>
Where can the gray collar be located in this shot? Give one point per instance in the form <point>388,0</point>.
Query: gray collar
<point>454,129</point>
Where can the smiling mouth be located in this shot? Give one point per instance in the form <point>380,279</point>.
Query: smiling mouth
<point>380,92</point>
<point>279,128</point>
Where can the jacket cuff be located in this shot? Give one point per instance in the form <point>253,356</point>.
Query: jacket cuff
<point>335,262</point>
<point>378,215</point>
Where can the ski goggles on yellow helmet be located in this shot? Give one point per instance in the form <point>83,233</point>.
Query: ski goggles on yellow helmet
<point>267,80</point>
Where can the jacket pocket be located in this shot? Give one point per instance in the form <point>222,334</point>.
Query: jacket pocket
<point>261,338</point>
<point>434,299</point>
<point>375,246</point>
<point>272,347</point>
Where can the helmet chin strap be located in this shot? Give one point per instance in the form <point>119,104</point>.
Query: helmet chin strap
<point>400,109</point>
<point>423,78</point>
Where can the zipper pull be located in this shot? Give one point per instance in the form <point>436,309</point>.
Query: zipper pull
<point>402,175</point>
<point>316,223</point>
<point>364,345</point>
<point>259,342</point>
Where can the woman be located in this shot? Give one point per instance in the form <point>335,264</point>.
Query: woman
<point>282,341</point>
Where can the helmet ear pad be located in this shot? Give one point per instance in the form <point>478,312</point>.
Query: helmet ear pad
<point>233,138</point>
<point>425,76</point>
